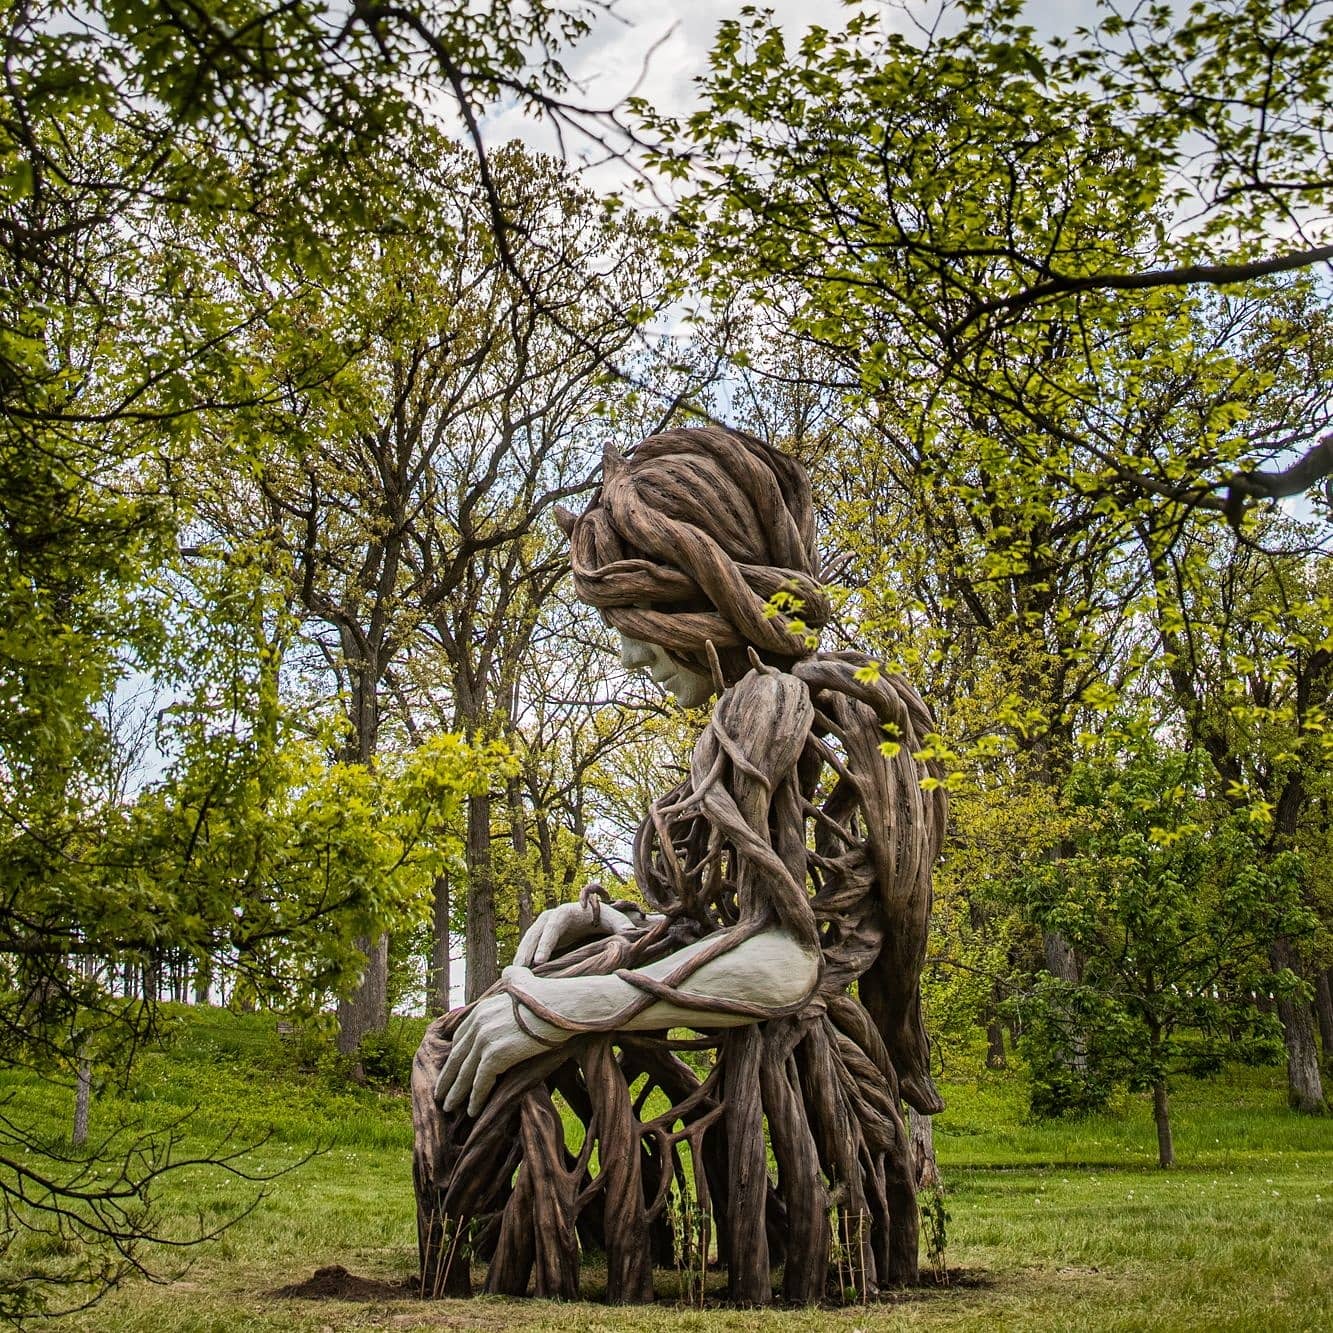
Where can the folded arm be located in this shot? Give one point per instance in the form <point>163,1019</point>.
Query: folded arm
<point>769,971</point>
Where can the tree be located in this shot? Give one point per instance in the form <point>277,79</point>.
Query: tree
<point>1173,908</point>
<point>966,233</point>
<point>404,486</point>
<point>1247,638</point>
<point>127,131</point>
<point>932,197</point>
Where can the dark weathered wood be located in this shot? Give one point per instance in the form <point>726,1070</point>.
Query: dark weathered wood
<point>800,1184</point>
<point>553,1190</point>
<point>903,1267</point>
<point>792,817</point>
<point>629,1271</point>
<point>516,1250</point>
<point>747,1170</point>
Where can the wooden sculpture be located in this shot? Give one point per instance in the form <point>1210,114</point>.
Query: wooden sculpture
<point>787,882</point>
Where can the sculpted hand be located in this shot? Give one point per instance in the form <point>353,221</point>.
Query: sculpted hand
<point>487,1044</point>
<point>567,924</point>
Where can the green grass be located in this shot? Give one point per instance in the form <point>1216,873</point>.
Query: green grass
<point>1064,1225</point>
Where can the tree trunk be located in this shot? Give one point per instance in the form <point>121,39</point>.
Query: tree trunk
<point>1305,1089</point>
<point>1061,962</point>
<point>83,1088</point>
<point>546,851</point>
<point>1323,1007</point>
<point>481,958</point>
<point>924,1165</point>
<point>518,833</point>
<point>367,1008</point>
<point>995,1056</point>
<point>1166,1153</point>
<point>747,1186</point>
<point>437,985</point>
<point>1060,958</point>
<point>203,981</point>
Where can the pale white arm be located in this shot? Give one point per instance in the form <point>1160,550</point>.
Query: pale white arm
<point>567,924</point>
<point>769,970</point>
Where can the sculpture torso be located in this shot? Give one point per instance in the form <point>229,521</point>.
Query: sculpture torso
<point>794,814</point>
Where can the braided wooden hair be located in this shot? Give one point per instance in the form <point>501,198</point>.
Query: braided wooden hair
<point>689,538</point>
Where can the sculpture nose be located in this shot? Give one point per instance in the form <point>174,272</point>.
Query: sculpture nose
<point>634,654</point>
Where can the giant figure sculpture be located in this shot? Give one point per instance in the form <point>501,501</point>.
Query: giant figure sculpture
<point>787,883</point>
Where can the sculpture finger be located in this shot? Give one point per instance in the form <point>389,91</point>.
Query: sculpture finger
<point>552,934</point>
<point>492,1064</point>
<point>463,1082</point>
<point>459,1050</point>
<point>525,954</point>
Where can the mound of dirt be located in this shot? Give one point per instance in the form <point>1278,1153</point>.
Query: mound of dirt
<point>335,1283</point>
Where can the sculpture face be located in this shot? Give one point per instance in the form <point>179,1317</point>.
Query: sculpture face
<point>691,688</point>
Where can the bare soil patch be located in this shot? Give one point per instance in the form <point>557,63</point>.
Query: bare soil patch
<point>335,1283</point>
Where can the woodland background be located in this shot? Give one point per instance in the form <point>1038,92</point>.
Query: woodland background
<point>298,713</point>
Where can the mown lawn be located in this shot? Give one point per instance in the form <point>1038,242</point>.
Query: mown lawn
<point>1065,1225</point>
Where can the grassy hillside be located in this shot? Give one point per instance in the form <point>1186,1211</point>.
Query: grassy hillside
<point>1052,1225</point>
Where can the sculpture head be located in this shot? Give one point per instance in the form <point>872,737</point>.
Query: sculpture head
<point>690,540</point>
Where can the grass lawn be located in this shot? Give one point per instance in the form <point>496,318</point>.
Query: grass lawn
<point>1053,1226</point>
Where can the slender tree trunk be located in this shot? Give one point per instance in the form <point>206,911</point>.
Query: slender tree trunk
<point>518,833</point>
<point>437,987</point>
<point>546,851</point>
<point>1323,1007</point>
<point>483,968</point>
<point>83,1088</point>
<point>1061,962</point>
<point>1166,1152</point>
<point>995,1057</point>
<point>367,1008</point>
<point>203,981</point>
<point>1049,773</point>
<point>924,1165</point>
<point>1305,1089</point>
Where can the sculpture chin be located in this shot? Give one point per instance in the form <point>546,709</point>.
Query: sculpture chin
<point>691,690</point>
